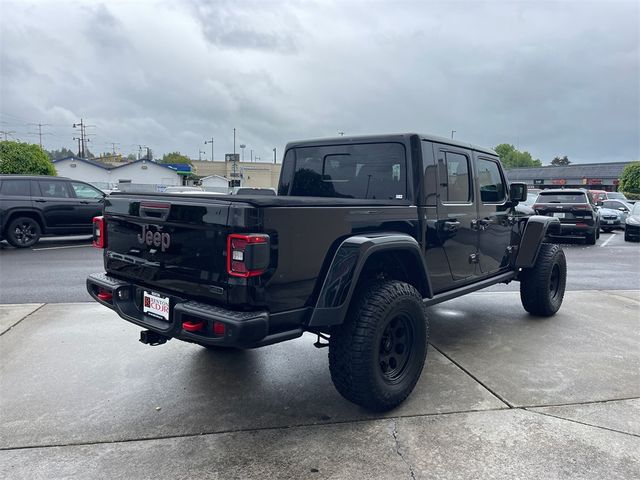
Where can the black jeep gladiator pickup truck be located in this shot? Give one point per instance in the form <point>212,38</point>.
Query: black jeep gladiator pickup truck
<point>364,234</point>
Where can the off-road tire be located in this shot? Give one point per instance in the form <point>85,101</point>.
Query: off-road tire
<point>23,232</point>
<point>376,356</point>
<point>591,238</point>
<point>542,286</point>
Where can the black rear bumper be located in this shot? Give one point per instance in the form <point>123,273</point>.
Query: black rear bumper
<point>241,329</point>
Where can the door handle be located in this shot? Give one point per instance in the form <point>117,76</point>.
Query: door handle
<point>40,200</point>
<point>84,202</point>
<point>451,225</point>
<point>481,223</point>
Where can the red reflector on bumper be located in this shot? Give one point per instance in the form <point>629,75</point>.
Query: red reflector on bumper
<point>105,296</point>
<point>193,326</point>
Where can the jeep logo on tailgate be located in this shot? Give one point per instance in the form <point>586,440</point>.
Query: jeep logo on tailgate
<point>154,239</point>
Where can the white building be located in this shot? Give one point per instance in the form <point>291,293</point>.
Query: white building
<point>215,183</point>
<point>142,174</point>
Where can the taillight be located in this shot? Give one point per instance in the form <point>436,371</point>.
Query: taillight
<point>99,232</point>
<point>537,206</point>
<point>247,255</point>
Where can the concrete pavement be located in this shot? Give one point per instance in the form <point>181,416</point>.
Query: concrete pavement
<point>503,395</point>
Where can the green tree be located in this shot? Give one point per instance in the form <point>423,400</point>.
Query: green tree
<point>175,157</point>
<point>58,154</point>
<point>513,158</point>
<point>24,159</point>
<point>630,179</point>
<point>560,161</point>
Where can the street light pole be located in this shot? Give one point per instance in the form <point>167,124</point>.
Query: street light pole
<point>452,132</point>
<point>211,142</point>
<point>274,155</point>
<point>234,143</point>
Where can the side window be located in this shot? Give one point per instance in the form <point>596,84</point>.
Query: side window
<point>455,179</point>
<point>54,189</point>
<point>85,191</point>
<point>16,188</point>
<point>492,189</point>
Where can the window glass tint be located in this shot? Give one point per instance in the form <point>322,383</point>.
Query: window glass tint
<point>492,188</point>
<point>54,189</point>
<point>16,188</point>
<point>85,191</point>
<point>455,188</point>
<point>371,171</point>
<point>562,198</point>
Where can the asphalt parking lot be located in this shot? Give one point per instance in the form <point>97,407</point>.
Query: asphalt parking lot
<point>503,395</point>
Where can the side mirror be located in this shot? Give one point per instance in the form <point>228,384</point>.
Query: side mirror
<point>517,192</point>
<point>622,209</point>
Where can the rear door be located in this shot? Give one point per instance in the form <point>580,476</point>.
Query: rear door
<point>494,217</point>
<point>457,211</point>
<point>57,202</point>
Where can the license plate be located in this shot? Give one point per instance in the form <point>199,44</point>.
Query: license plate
<point>609,222</point>
<point>559,214</point>
<point>155,305</point>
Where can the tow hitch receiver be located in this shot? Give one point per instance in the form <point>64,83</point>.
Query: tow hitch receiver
<point>152,338</point>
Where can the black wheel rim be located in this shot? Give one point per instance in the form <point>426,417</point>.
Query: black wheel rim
<point>554,281</point>
<point>396,346</point>
<point>25,233</point>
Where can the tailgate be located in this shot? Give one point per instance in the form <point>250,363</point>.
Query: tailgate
<point>177,245</point>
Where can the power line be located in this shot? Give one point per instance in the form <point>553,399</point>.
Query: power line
<point>40,125</point>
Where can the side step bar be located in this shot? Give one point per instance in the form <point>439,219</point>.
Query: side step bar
<point>487,282</point>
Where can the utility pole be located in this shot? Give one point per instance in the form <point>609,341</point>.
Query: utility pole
<point>234,143</point>
<point>79,147</point>
<point>139,152</point>
<point>274,155</point>
<point>148,153</point>
<point>452,132</point>
<point>252,154</point>
<point>82,137</point>
<point>6,133</point>
<point>211,142</point>
<point>40,125</point>
<point>341,134</point>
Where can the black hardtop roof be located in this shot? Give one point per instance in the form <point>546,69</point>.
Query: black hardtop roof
<point>12,176</point>
<point>392,137</point>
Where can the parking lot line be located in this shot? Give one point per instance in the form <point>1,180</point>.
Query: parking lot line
<point>60,248</point>
<point>608,240</point>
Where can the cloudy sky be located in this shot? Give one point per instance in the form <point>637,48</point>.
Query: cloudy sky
<point>552,77</point>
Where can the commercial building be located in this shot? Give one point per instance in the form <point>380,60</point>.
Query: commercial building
<point>246,174</point>
<point>594,176</point>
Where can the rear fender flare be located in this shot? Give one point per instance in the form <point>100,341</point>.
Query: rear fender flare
<point>345,269</point>
<point>536,229</point>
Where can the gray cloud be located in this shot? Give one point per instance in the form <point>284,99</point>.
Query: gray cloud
<point>553,77</point>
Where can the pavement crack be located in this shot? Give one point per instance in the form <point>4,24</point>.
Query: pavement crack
<point>581,423</point>
<point>492,392</point>
<point>394,433</point>
<point>23,318</point>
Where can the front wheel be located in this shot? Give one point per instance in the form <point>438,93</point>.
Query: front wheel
<point>23,232</point>
<point>542,286</point>
<point>376,356</point>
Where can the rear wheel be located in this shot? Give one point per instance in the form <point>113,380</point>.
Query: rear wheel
<point>23,232</point>
<point>591,237</point>
<point>376,357</point>
<point>542,286</point>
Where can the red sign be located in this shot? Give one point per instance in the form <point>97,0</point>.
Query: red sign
<point>560,181</point>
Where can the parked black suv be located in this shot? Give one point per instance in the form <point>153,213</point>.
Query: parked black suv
<point>576,210</point>
<point>32,206</point>
<point>365,232</point>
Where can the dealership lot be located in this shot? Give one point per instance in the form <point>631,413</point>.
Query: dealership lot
<point>503,394</point>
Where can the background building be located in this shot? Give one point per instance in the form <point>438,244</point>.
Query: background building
<point>139,175</point>
<point>250,174</point>
<point>595,176</point>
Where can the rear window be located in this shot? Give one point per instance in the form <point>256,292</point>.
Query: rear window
<point>15,188</point>
<point>562,198</point>
<point>366,171</point>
